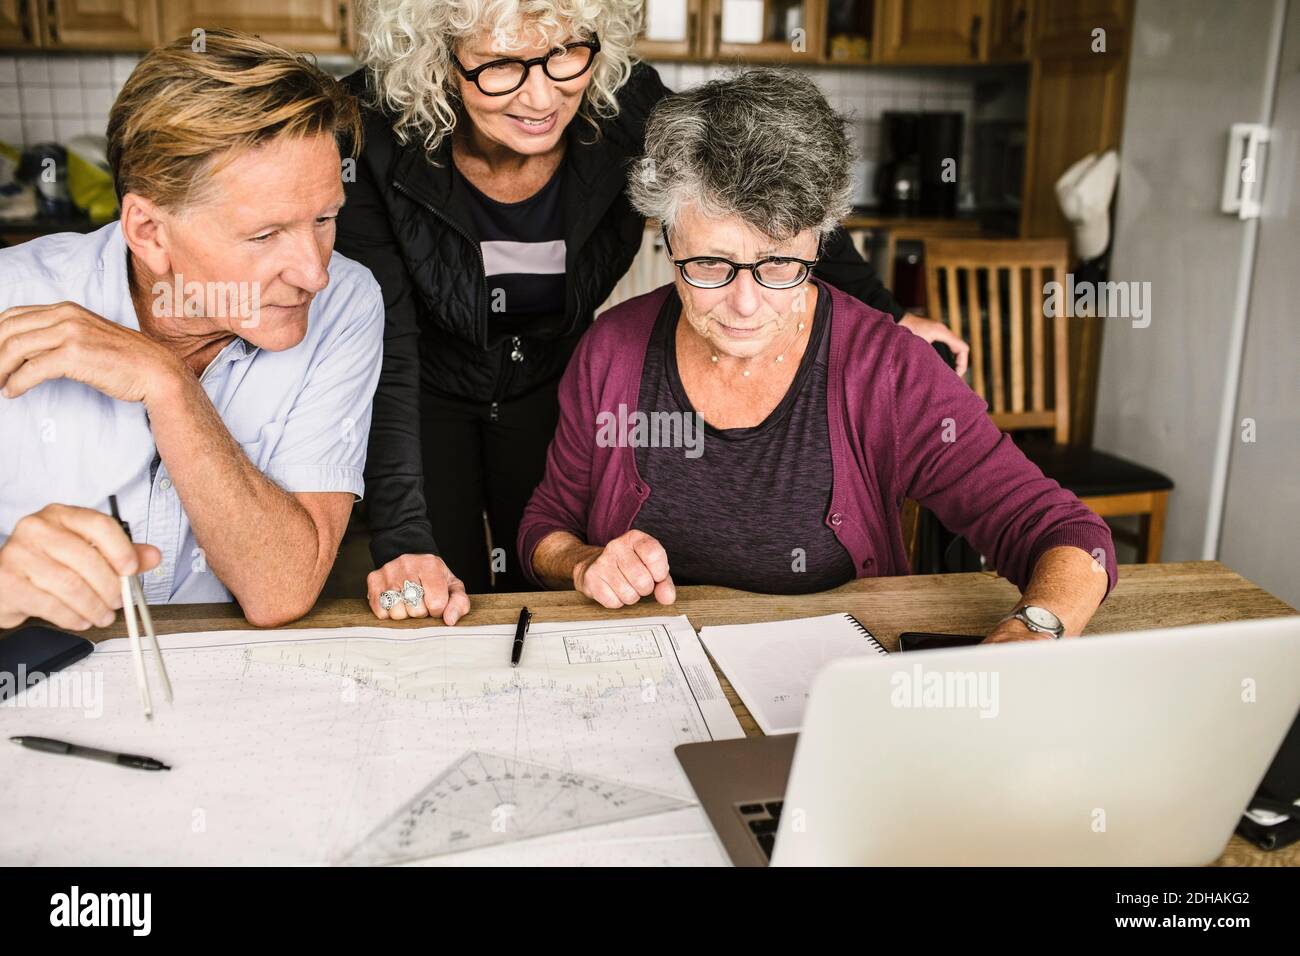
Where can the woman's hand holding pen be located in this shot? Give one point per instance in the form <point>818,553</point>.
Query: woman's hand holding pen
<point>65,564</point>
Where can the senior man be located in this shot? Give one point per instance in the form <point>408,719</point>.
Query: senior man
<point>207,359</point>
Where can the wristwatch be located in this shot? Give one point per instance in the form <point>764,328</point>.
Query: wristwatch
<point>1038,619</point>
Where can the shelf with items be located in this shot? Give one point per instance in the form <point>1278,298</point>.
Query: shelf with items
<point>839,32</point>
<point>755,31</point>
<point>850,30</point>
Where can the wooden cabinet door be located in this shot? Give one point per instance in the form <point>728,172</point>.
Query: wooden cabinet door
<point>100,24</point>
<point>319,26</point>
<point>1076,107</point>
<point>1008,26</point>
<point>929,31</point>
<point>1069,28</point>
<point>1076,102</point>
<point>18,24</point>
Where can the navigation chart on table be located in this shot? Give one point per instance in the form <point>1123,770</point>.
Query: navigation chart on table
<point>317,746</point>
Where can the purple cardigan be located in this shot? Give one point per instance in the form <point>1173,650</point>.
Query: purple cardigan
<point>902,425</point>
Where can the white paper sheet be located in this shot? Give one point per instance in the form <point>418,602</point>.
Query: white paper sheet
<point>290,747</point>
<point>772,665</point>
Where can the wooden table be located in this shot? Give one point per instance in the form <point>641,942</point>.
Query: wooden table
<point>1147,596</point>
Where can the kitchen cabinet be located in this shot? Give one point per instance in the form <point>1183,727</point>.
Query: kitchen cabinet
<point>1008,31</point>
<point>754,31</point>
<point>1076,98</point>
<point>19,23</point>
<point>930,32</point>
<point>98,24</point>
<point>1076,106</point>
<point>318,26</point>
<point>1068,28</point>
<point>841,32</point>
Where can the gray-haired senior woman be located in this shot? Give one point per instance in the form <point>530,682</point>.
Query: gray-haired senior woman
<point>490,202</point>
<point>820,415</point>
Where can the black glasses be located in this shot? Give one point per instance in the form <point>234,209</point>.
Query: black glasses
<point>499,77</point>
<point>713,272</point>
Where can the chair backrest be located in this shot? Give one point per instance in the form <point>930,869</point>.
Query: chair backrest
<point>993,293</point>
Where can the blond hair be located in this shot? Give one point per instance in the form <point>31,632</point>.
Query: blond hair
<point>407,46</point>
<point>190,106</point>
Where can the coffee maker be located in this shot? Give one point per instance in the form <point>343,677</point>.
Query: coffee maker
<point>911,178</point>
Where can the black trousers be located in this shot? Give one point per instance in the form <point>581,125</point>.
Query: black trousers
<point>484,458</point>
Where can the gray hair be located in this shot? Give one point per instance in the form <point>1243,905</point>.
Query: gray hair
<point>763,145</point>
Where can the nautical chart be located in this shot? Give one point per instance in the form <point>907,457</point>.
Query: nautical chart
<point>378,745</point>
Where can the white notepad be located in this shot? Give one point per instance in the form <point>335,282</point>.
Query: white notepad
<point>772,665</point>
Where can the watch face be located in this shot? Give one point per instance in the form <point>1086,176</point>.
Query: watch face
<point>1041,617</point>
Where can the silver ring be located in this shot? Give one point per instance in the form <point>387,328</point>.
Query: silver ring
<point>412,593</point>
<point>388,599</point>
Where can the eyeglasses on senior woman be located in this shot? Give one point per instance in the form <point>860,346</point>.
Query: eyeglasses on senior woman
<point>714,272</point>
<point>500,77</point>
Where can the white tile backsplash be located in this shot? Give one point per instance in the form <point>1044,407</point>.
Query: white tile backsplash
<point>95,71</point>
<point>123,64</point>
<point>11,129</point>
<point>47,97</point>
<point>36,101</point>
<point>67,101</point>
<point>66,128</point>
<point>64,71</point>
<point>32,69</point>
<point>37,129</point>
<point>98,100</point>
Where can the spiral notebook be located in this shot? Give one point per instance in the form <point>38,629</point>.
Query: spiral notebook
<point>772,665</point>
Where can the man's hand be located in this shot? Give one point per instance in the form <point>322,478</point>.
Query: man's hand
<point>64,564</point>
<point>627,569</point>
<point>443,592</point>
<point>39,343</point>
<point>932,331</point>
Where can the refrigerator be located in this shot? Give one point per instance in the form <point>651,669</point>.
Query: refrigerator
<point>1208,212</point>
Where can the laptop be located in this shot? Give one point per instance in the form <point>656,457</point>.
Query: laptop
<point>1138,749</point>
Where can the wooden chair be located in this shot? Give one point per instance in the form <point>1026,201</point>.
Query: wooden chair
<point>992,293</point>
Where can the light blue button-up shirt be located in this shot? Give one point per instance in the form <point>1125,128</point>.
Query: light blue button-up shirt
<point>302,415</point>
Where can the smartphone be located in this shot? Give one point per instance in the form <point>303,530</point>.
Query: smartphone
<point>917,641</point>
<point>37,652</point>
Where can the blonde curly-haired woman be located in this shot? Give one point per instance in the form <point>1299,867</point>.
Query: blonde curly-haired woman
<point>490,202</point>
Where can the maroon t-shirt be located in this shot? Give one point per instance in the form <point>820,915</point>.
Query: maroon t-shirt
<point>746,509</point>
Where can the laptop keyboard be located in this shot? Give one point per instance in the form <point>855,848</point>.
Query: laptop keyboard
<point>762,820</point>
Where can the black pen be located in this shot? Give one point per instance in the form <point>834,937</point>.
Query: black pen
<point>49,746</point>
<point>525,618</point>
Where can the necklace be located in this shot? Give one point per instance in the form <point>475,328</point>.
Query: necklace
<point>779,358</point>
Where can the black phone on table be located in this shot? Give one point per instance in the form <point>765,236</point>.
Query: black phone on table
<point>924,641</point>
<point>36,652</point>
